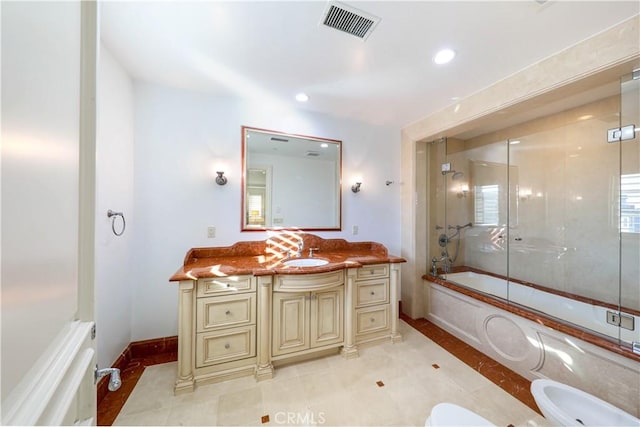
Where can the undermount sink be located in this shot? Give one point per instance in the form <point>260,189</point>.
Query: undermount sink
<point>563,405</point>
<point>306,262</point>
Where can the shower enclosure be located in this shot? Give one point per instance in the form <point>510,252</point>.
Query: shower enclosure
<point>552,204</point>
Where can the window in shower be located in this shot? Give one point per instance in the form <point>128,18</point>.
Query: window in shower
<point>492,183</point>
<point>630,203</point>
<point>487,204</point>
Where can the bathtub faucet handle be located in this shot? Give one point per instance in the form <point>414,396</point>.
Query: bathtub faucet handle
<point>434,267</point>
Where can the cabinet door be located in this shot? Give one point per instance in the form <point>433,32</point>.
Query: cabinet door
<point>327,322</point>
<point>290,322</point>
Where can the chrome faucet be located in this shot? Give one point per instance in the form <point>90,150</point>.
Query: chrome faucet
<point>311,251</point>
<point>446,264</point>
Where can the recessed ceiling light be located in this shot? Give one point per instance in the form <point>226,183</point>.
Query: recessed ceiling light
<point>302,97</point>
<point>444,56</point>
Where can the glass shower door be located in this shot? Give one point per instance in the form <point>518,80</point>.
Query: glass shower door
<point>630,208</point>
<point>564,242</point>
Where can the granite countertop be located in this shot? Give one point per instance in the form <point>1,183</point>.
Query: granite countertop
<point>266,257</point>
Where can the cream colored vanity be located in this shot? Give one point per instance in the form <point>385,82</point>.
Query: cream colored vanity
<point>236,325</point>
<point>307,313</point>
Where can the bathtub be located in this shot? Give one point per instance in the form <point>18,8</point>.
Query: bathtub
<point>583,314</point>
<point>529,332</point>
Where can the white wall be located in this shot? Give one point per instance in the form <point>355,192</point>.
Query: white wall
<point>180,136</point>
<point>114,190</point>
<point>40,145</point>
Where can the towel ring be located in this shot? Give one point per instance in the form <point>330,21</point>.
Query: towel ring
<point>111,214</point>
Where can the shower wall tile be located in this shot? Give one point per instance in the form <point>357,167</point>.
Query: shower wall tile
<point>563,222</point>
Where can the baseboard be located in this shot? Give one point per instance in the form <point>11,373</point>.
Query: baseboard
<point>131,363</point>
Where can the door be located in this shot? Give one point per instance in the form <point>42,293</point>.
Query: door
<point>630,209</point>
<point>290,317</point>
<point>326,317</point>
<point>48,90</point>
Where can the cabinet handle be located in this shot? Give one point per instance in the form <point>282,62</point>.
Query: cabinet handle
<point>228,312</point>
<point>227,346</point>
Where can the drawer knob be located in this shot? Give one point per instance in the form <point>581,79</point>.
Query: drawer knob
<point>228,312</point>
<point>228,285</point>
<point>371,272</point>
<point>373,320</point>
<point>227,346</point>
<point>373,293</point>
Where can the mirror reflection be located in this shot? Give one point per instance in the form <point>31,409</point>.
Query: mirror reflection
<point>290,181</point>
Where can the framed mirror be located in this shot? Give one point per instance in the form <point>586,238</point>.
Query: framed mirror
<point>290,181</point>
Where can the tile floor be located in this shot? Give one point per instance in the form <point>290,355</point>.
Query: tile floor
<point>333,391</point>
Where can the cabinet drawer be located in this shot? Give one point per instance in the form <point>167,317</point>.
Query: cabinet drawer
<point>225,285</point>
<point>225,311</point>
<point>225,345</point>
<point>372,292</point>
<point>372,271</point>
<point>308,282</point>
<point>371,320</point>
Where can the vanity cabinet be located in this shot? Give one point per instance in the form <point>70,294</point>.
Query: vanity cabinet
<point>372,309</point>
<point>225,328</point>
<point>217,330</point>
<point>270,314</point>
<point>307,320</point>
<point>303,321</point>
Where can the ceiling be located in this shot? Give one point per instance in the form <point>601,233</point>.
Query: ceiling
<point>270,50</point>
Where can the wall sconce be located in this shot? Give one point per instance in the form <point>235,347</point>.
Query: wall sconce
<point>221,179</point>
<point>356,187</point>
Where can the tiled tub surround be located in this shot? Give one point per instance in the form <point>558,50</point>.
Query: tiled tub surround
<point>242,310</point>
<point>583,312</point>
<point>534,345</point>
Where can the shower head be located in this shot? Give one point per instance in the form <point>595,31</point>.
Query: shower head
<point>456,175</point>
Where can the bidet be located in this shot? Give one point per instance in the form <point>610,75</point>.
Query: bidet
<point>563,405</point>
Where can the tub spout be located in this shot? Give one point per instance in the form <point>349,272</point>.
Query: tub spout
<point>445,260</point>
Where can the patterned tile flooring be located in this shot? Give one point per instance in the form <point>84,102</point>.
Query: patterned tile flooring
<point>389,384</point>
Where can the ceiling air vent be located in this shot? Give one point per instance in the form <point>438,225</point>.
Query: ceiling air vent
<point>349,20</point>
<point>312,154</point>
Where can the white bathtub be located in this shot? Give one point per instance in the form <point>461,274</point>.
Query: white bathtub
<point>590,316</point>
